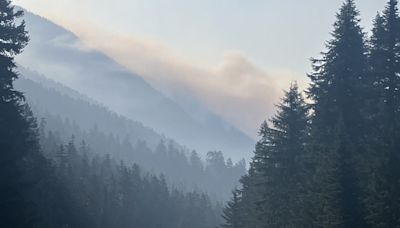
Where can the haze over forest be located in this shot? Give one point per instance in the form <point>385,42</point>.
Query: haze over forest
<point>205,114</point>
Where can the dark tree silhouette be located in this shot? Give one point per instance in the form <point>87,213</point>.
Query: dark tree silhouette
<point>343,170</point>
<point>17,129</point>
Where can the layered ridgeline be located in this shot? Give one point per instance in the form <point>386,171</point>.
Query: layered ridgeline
<point>61,56</point>
<point>63,113</point>
<point>333,163</point>
<point>68,186</point>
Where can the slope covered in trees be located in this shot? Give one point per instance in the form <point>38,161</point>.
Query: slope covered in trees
<point>64,112</point>
<point>60,55</point>
<point>63,186</point>
<point>332,162</point>
<point>335,161</point>
<point>84,189</point>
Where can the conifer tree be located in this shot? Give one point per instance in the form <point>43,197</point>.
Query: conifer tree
<point>17,135</point>
<point>232,213</point>
<point>272,193</point>
<point>344,171</point>
<point>384,60</point>
<point>251,197</point>
<point>279,160</point>
<point>382,198</point>
<point>339,88</point>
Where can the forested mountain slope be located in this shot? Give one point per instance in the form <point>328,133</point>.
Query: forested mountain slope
<point>60,55</point>
<point>48,97</point>
<point>81,189</point>
<point>63,113</point>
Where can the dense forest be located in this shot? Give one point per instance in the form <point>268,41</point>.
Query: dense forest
<point>47,182</point>
<point>108,133</point>
<point>332,160</point>
<point>87,190</point>
<point>328,158</point>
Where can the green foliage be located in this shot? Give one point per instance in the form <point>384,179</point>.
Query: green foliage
<point>272,192</point>
<point>382,190</point>
<point>280,161</point>
<point>233,211</point>
<point>94,124</point>
<point>339,86</point>
<point>336,167</point>
<point>340,168</point>
<point>92,190</point>
<point>18,138</point>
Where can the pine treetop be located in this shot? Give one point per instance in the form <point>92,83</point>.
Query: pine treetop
<point>13,38</point>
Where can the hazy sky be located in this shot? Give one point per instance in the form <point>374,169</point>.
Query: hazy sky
<point>233,56</point>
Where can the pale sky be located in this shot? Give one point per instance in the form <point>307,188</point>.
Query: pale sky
<point>226,52</point>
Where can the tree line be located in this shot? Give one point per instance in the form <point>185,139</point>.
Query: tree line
<point>68,185</point>
<point>85,189</point>
<point>108,133</point>
<point>213,174</point>
<point>332,160</point>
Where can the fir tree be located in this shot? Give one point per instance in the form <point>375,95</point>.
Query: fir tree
<point>18,138</point>
<point>342,171</point>
<point>233,211</point>
<point>339,88</point>
<point>251,196</point>
<point>382,198</point>
<point>279,160</point>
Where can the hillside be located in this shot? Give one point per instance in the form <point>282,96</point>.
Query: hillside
<point>64,113</point>
<point>61,56</point>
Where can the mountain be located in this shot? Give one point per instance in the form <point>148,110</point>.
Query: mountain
<point>61,56</point>
<point>47,97</point>
<point>63,113</point>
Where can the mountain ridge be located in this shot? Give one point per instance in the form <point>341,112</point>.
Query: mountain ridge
<point>60,55</point>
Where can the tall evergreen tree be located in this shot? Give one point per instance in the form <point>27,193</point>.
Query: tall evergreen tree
<point>383,196</point>
<point>344,171</point>
<point>384,59</point>
<point>273,192</point>
<point>17,136</point>
<point>339,81</point>
<point>339,86</point>
<point>279,160</point>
